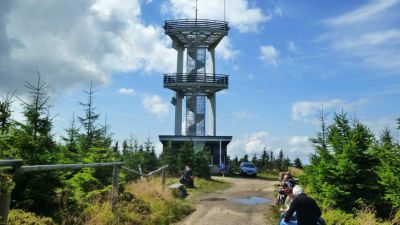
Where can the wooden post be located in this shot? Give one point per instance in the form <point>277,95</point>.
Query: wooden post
<point>163,176</point>
<point>115,183</point>
<point>5,199</point>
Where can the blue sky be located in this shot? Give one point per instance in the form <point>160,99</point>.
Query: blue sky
<point>285,60</point>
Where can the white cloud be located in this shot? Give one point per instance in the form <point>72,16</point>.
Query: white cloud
<point>299,140</point>
<point>73,42</point>
<point>155,105</point>
<point>238,12</point>
<point>365,12</point>
<point>225,49</point>
<point>269,54</point>
<point>306,110</point>
<point>126,91</point>
<point>254,143</point>
<point>369,39</point>
<point>250,144</point>
<point>368,35</point>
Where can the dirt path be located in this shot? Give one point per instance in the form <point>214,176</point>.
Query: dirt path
<point>222,208</point>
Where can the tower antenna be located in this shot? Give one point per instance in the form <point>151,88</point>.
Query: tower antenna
<point>224,12</point>
<point>196,10</point>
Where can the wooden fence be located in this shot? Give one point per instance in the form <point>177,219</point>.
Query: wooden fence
<point>15,166</point>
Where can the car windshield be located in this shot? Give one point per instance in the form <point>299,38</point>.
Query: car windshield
<point>248,165</point>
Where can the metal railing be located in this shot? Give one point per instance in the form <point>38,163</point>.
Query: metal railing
<point>204,78</point>
<point>202,24</point>
<point>15,166</point>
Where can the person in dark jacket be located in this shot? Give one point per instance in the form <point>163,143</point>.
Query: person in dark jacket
<point>187,177</point>
<point>307,210</point>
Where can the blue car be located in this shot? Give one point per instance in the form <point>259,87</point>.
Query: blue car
<point>247,168</point>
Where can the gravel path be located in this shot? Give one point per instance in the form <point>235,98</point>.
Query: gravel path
<point>222,208</point>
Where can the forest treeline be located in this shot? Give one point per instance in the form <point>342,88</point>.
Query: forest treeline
<point>354,171</point>
<point>267,162</point>
<point>64,194</point>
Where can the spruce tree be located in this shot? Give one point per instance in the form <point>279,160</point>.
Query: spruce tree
<point>89,120</point>
<point>6,124</point>
<point>71,140</point>
<point>34,143</point>
<point>5,112</point>
<point>298,163</point>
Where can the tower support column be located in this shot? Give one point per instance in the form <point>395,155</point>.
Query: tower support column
<point>212,115</point>
<point>178,97</point>
<point>178,114</point>
<point>212,61</point>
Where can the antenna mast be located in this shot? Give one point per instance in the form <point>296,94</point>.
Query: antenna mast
<point>196,10</point>
<point>224,12</point>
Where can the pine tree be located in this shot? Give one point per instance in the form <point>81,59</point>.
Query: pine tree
<point>72,137</point>
<point>264,159</point>
<point>5,112</point>
<point>342,175</point>
<point>254,160</point>
<point>286,163</point>
<point>34,143</point>
<point>150,161</point>
<point>34,140</point>
<point>388,170</point>
<point>5,126</point>
<point>245,158</point>
<point>280,161</point>
<point>298,163</point>
<point>88,121</point>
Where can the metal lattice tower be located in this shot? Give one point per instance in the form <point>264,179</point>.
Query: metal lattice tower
<point>195,38</point>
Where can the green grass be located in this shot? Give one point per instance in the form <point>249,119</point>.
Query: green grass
<point>268,176</point>
<point>202,186</point>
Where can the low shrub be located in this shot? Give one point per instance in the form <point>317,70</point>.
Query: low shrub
<point>20,217</point>
<point>143,202</point>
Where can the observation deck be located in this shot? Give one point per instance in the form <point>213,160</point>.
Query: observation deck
<point>205,83</point>
<point>207,33</point>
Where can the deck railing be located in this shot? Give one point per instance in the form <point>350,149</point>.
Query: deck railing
<point>205,78</point>
<point>202,24</point>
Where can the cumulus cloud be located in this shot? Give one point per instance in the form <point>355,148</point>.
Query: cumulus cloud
<point>254,143</point>
<point>269,54</point>
<point>126,91</point>
<point>307,110</point>
<point>250,144</point>
<point>155,105</point>
<point>225,49</point>
<point>74,42</point>
<point>298,140</point>
<point>238,12</point>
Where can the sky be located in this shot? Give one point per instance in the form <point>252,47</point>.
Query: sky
<point>286,59</point>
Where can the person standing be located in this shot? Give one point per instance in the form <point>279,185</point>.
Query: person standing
<point>222,168</point>
<point>307,210</point>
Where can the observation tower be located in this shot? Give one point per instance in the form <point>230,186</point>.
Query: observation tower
<point>195,88</point>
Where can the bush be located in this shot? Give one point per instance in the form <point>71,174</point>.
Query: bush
<point>20,217</point>
<point>143,202</point>
<point>6,183</point>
